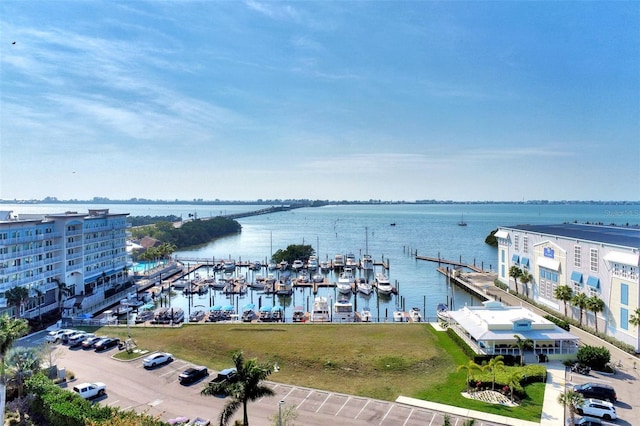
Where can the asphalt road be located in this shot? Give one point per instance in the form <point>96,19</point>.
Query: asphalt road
<point>157,392</point>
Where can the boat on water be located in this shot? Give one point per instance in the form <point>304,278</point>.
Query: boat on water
<point>215,313</point>
<point>345,281</point>
<point>312,264</point>
<point>325,266</point>
<point>415,315</point>
<point>284,265</point>
<point>297,265</point>
<point>462,222</point>
<point>383,284</point>
<point>442,311</point>
<point>228,313</point>
<point>299,315</point>
<point>350,261</point>
<point>272,266</point>
<point>258,282</point>
<point>317,278</point>
<point>283,287</point>
<point>181,283</point>
<point>264,314</point>
<point>249,312</point>
<point>367,262</point>
<point>277,314</point>
<point>168,316</point>
<point>303,276</point>
<point>320,311</point>
<point>338,261</point>
<point>365,314</point>
<point>343,311</point>
<point>229,265</point>
<point>363,286</point>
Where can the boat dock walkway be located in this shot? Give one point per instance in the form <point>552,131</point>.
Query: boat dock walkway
<point>476,283</point>
<point>439,261</point>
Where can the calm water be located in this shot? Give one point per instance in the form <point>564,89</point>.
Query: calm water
<point>431,230</point>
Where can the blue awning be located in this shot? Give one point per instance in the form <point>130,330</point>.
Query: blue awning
<point>593,282</point>
<point>576,277</point>
<point>525,261</point>
<point>515,258</point>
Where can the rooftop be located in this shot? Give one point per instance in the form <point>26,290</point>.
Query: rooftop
<point>626,236</point>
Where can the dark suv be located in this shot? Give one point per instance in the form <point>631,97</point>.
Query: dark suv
<point>597,390</point>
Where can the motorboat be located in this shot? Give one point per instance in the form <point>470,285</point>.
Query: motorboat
<point>215,313</point>
<point>272,266</point>
<point>320,311</point>
<point>264,314</point>
<point>363,286</point>
<point>343,311</point>
<point>399,316</point>
<point>277,314</point>
<point>297,265</point>
<point>442,311</point>
<point>312,264</point>
<point>229,265</point>
<point>228,313</point>
<point>383,284</point>
<point>259,282</point>
<point>283,287</point>
<point>345,281</point>
<point>299,314</point>
<point>249,313</point>
<point>284,265</point>
<point>197,316</point>
<point>350,261</point>
<point>338,261</point>
<point>367,262</point>
<point>325,266</point>
<point>303,276</point>
<point>415,315</point>
<point>365,314</point>
<point>317,278</point>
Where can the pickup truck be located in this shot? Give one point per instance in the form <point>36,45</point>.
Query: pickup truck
<point>90,390</point>
<point>228,375</point>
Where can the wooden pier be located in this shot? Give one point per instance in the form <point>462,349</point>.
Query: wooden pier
<point>439,261</point>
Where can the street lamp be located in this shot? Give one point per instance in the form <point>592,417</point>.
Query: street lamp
<point>280,404</point>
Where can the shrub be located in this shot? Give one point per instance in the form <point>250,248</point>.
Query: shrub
<point>595,357</point>
<point>509,360</point>
<point>557,321</point>
<point>461,343</point>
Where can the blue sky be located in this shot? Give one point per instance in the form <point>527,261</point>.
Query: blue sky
<point>338,100</point>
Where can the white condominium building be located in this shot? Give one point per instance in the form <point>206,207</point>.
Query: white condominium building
<point>69,260</point>
<point>596,260</point>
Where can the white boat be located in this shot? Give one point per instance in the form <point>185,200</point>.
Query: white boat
<point>363,286</point>
<point>442,311</point>
<point>462,222</point>
<point>345,281</point>
<point>365,314</point>
<point>367,262</point>
<point>415,315</point>
<point>312,264</point>
<point>343,311</point>
<point>398,316</point>
<point>272,266</point>
<point>350,261</point>
<point>303,276</point>
<point>383,284</point>
<point>325,266</point>
<point>317,278</point>
<point>284,265</point>
<point>229,265</point>
<point>284,287</point>
<point>299,315</point>
<point>338,261</point>
<point>297,265</point>
<point>320,311</point>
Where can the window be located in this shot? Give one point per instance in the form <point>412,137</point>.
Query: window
<point>624,318</point>
<point>577,259</point>
<point>624,294</point>
<point>548,283</point>
<point>525,244</point>
<point>593,264</point>
<point>516,242</point>
<point>502,256</point>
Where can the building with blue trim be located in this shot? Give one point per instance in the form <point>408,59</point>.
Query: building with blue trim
<point>70,260</point>
<point>595,260</point>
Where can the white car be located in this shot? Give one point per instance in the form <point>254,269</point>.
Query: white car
<point>55,336</point>
<point>158,358</point>
<point>90,390</point>
<point>598,408</point>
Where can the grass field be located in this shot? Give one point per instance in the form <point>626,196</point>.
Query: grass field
<point>380,361</point>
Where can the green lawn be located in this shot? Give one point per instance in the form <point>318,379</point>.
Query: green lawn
<point>379,361</point>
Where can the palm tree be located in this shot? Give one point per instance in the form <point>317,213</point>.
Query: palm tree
<point>16,296</point>
<point>513,380</point>
<point>10,330</point>
<point>522,345</point>
<point>525,279</point>
<point>470,367</point>
<point>21,363</point>
<point>515,273</point>
<point>595,305</point>
<point>63,291</point>
<point>580,302</point>
<point>494,365</point>
<point>246,388</point>
<point>563,293</point>
<point>572,400</point>
<point>634,319</point>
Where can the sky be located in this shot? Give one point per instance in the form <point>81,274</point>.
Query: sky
<point>327,100</point>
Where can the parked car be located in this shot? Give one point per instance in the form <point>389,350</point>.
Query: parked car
<point>77,339</point>
<point>228,375</point>
<point>107,343</point>
<point>585,421</point>
<point>157,359</point>
<point>67,335</point>
<point>193,374</point>
<point>598,408</point>
<point>90,390</point>
<point>597,390</point>
<point>55,336</point>
<point>89,343</point>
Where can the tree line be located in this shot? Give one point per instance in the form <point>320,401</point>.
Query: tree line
<point>190,233</point>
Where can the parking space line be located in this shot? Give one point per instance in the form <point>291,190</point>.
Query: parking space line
<point>343,405</point>
<point>362,409</point>
<point>386,414</point>
<point>432,418</point>
<point>323,402</point>
<point>408,417</point>
<point>305,398</point>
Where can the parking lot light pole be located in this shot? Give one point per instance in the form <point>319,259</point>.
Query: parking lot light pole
<point>280,412</point>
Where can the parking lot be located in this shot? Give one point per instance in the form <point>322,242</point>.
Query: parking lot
<point>157,392</point>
